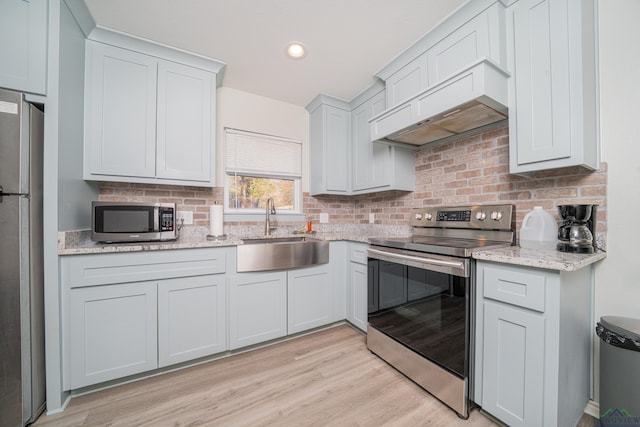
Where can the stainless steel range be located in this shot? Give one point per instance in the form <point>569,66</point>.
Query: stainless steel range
<point>422,292</point>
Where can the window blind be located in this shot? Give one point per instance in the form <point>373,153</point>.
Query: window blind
<point>251,153</point>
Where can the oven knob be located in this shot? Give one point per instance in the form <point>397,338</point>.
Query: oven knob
<point>428,216</point>
<point>496,216</point>
<point>481,216</point>
<point>418,216</point>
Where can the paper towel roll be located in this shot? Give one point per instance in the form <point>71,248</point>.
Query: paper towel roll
<point>216,220</point>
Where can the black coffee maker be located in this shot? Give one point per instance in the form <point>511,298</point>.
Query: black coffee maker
<point>578,230</point>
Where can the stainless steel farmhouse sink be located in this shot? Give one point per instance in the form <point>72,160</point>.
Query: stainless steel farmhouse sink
<point>280,253</point>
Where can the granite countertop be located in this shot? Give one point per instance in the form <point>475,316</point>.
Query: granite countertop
<point>80,243</point>
<point>540,258</point>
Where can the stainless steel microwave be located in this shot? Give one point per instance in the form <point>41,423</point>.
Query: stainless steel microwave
<point>132,222</point>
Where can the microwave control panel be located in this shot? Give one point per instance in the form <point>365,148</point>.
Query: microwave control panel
<point>167,220</point>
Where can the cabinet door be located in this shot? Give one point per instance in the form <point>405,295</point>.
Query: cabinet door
<point>407,82</point>
<point>23,45</point>
<point>358,296</point>
<point>539,86</point>
<point>191,318</point>
<point>513,371</point>
<point>113,332</point>
<point>337,158</point>
<point>330,142</point>
<point>480,37</point>
<point>371,160</point>
<point>120,112</point>
<point>257,308</point>
<point>309,293</point>
<point>185,122</point>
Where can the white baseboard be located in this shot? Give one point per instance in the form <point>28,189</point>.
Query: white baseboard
<point>593,409</point>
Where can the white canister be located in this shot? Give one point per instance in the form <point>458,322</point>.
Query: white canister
<point>539,230</point>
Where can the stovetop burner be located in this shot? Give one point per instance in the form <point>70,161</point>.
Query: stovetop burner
<point>456,231</point>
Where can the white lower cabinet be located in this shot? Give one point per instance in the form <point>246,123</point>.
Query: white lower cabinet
<point>357,313</point>
<point>131,313</point>
<point>134,312</point>
<point>257,308</point>
<point>112,332</point>
<point>533,344</point>
<point>514,361</point>
<point>191,318</point>
<point>310,297</point>
<point>358,286</point>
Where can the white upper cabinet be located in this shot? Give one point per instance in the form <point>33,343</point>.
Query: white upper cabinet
<point>330,145</point>
<point>185,130</point>
<point>377,166</point>
<point>147,119</point>
<point>553,117</point>
<point>23,45</point>
<point>120,113</point>
<point>474,32</point>
<point>408,81</point>
<point>343,158</point>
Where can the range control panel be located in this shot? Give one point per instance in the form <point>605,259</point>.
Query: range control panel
<point>485,217</point>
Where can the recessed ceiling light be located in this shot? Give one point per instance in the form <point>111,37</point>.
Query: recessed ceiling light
<point>296,50</point>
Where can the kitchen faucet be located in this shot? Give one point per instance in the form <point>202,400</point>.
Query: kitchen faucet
<point>269,212</point>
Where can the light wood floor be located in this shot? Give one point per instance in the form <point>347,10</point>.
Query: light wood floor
<point>325,379</point>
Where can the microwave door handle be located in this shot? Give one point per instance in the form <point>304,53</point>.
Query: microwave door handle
<point>454,264</point>
<point>156,219</point>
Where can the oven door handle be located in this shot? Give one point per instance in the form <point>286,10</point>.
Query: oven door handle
<point>460,266</point>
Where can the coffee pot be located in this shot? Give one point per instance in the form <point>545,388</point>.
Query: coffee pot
<point>577,231</point>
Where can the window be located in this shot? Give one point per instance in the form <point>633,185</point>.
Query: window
<point>260,166</point>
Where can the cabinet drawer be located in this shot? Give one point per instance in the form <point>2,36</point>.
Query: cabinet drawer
<point>102,269</point>
<point>519,287</point>
<point>358,253</point>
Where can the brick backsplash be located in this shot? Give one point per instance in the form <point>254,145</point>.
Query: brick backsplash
<point>196,199</point>
<point>467,171</point>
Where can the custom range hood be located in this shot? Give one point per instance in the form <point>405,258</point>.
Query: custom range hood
<point>470,100</point>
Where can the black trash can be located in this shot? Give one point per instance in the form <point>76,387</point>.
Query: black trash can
<point>619,371</point>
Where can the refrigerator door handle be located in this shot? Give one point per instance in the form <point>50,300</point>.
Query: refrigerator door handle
<point>2,194</point>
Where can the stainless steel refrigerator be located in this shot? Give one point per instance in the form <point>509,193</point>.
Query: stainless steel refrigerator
<point>22,379</point>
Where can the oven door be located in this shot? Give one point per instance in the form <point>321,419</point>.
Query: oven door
<point>423,302</point>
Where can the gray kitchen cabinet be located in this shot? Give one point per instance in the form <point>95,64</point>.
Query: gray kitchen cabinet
<point>472,33</point>
<point>343,158</point>
<point>408,81</point>
<point>330,146</point>
<point>112,332</point>
<point>377,166</point>
<point>147,119</point>
<point>23,45</point>
<point>309,298</point>
<point>553,107</point>
<point>513,363</point>
<point>358,286</point>
<point>191,318</point>
<point>134,312</point>
<point>257,308</point>
<point>533,338</point>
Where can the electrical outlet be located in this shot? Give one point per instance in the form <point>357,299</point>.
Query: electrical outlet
<point>187,216</point>
<point>324,218</point>
<point>372,218</point>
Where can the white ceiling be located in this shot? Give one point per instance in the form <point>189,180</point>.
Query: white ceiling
<point>348,41</point>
